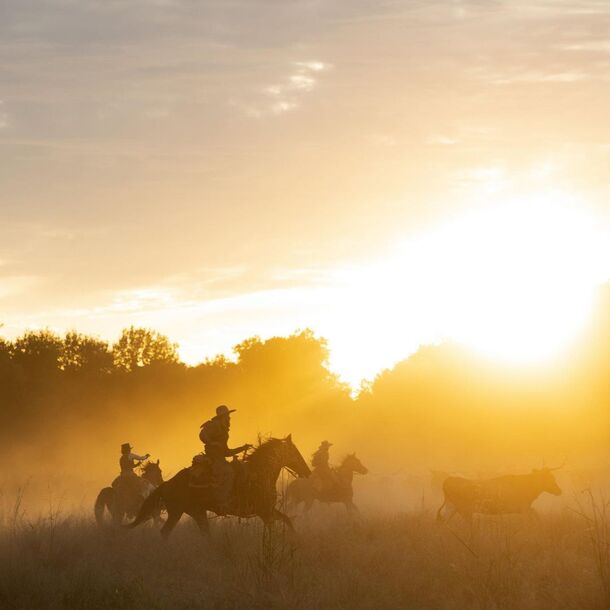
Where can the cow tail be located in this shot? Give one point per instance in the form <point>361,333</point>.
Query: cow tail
<point>438,514</point>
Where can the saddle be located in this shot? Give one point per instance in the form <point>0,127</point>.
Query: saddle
<point>200,472</point>
<point>324,481</point>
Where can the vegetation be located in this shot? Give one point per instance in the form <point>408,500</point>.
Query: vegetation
<point>69,402</point>
<point>400,561</point>
<point>78,395</point>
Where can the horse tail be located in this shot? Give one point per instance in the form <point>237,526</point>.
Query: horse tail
<point>147,510</point>
<point>104,500</point>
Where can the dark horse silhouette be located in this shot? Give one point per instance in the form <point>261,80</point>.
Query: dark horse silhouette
<point>254,493</point>
<point>338,489</point>
<point>120,507</point>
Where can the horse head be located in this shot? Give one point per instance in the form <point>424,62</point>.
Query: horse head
<point>352,464</point>
<point>278,453</point>
<point>294,460</point>
<point>151,471</point>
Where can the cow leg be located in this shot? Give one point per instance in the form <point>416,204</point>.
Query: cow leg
<point>468,517</point>
<point>352,509</point>
<point>533,516</point>
<point>453,513</point>
<point>439,514</point>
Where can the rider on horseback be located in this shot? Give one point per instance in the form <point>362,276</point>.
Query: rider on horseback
<point>214,435</point>
<point>322,476</point>
<point>128,482</point>
<point>129,460</point>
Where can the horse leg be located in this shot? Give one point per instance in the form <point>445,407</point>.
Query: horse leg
<point>277,515</point>
<point>118,514</point>
<point>157,519</point>
<point>170,524</point>
<point>201,518</point>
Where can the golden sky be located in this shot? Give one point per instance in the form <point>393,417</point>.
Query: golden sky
<point>387,172</point>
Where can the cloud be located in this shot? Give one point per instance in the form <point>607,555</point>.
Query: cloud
<point>285,95</point>
<point>602,46</point>
<point>15,285</point>
<point>441,140</point>
<point>542,77</point>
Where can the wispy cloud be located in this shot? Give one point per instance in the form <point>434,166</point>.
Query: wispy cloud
<point>540,77</point>
<point>286,94</point>
<point>15,285</point>
<point>441,140</point>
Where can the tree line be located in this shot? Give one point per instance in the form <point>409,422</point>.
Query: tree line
<point>62,396</point>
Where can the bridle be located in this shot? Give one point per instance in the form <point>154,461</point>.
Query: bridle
<point>291,471</point>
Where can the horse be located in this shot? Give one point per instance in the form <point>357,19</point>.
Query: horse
<point>254,492</point>
<point>338,489</point>
<point>119,507</point>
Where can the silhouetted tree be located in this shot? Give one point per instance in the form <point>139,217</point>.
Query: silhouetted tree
<point>85,354</point>
<point>38,352</point>
<point>141,347</point>
<point>441,401</point>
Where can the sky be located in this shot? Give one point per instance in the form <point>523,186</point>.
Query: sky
<point>386,173</point>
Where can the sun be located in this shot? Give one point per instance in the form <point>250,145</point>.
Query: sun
<point>522,276</point>
<point>514,280</point>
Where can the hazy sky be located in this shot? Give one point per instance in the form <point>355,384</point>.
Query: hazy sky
<point>222,169</point>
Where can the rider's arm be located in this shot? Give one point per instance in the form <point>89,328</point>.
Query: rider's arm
<point>133,456</point>
<point>232,452</point>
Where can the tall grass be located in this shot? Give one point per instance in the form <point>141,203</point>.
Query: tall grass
<point>402,561</point>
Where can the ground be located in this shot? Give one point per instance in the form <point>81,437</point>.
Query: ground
<point>401,560</point>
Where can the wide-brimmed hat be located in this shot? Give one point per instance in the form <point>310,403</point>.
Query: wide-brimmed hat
<point>326,444</point>
<point>224,410</point>
<point>126,447</point>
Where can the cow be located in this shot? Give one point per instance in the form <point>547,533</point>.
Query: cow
<point>513,493</point>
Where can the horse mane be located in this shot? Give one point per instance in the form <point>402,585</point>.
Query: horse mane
<point>264,445</point>
<point>347,457</point>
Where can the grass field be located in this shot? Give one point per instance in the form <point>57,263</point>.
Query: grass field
<point>405,560</point>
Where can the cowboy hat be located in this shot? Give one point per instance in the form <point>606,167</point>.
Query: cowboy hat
<point>224,410</point>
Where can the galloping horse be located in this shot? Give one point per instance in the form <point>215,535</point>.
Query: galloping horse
<point>338,489</point>
<point>254,493</point>
<point>119,506</point>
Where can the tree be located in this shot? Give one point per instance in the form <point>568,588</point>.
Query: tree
<point>83,353</point>
<point>140,347</point>
<point>38,351</point>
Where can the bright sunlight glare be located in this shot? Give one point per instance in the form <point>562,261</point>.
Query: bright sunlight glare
<point>514,281</point>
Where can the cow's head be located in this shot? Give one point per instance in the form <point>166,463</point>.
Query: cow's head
<point>546,481</point>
